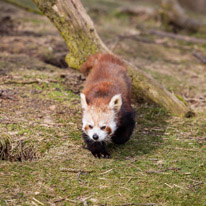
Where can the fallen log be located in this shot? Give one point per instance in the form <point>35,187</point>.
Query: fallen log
<point>172,12</point>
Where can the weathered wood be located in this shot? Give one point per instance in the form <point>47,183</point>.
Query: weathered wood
<point>78,30</point>
<point>75,26</point>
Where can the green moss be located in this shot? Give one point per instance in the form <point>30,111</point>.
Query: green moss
<point>82,43</point>
<point>181,99</point>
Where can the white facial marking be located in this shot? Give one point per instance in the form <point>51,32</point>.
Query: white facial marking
<point>83,101</point>
<point>113,127</point>
<point>96,130</point>
<point>98,118</point>
<point>116,102</point>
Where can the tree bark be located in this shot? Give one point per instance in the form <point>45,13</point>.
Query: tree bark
<point>77,29</point>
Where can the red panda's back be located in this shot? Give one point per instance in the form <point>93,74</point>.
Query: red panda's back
<point>108,76</point>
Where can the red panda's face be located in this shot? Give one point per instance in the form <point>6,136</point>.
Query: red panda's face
<point>99,122</point>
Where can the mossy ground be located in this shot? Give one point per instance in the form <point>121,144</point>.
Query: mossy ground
<point>164,163</point>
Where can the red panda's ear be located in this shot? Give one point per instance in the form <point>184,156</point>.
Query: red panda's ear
<point>83,101</point>
<point>116,102</point>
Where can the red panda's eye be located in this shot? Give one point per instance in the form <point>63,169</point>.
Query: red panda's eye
<point>90,126</point>
<point>103,127</point>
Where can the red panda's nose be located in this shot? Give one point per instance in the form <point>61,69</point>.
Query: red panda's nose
<point>95,137</point>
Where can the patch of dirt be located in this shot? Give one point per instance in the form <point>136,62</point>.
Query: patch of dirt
<point>7,25</point>
<point>31,55</point>
<point>37,39</point>
<point>73,82</point>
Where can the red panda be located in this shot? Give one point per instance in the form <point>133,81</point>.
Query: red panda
<point>107,113</point>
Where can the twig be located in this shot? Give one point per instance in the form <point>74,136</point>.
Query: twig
<point>34,203</point>
<point>179,186</point>
<point>165,170</point>
<point>78,176</point>
<point>86,198</point>
<point>169,185</point>
<point>194,181</point>
<point>38,201</point>
<point>197,184</point>
<point>75,171</point>
<point>176,36</point>
<point>199,57</point>
<point>29,82</point>
<point>191,150</point>
<point>62,199</point>
<point>174,185</point>
<point>59,200</point>
<point>125,188</point>
<point>112,196</point>
<point>106,172</point>
<point>74,201</point>
<point>131,179</point>
<point>21,82</point>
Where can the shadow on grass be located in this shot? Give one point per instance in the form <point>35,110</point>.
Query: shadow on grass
<point>150,127</point>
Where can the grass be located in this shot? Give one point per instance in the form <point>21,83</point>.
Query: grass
<point>163,163</point>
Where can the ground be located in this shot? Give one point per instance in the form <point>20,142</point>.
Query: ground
<point>43,159</point>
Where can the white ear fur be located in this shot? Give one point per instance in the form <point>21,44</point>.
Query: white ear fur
<point>116,102</point>
<point>83,101</point>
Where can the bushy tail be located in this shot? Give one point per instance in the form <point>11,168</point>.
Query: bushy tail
<point>90,63</point>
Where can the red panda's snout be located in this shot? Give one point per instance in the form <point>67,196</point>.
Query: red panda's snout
<point>96,133</point>
<point>99,122</point>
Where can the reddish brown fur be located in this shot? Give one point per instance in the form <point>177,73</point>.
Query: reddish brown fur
<point>86,128</point>
<point>109,130</point>
<point>106,77</point>
<point>91,61</point>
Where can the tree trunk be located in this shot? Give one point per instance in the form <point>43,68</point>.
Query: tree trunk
<point>78,30</point>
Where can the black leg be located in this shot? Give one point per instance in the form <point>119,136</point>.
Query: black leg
<point>125,130</point>
<point>98,149</point>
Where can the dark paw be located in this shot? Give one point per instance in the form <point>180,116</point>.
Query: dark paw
<point>101,155</point>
